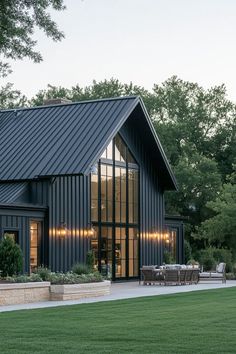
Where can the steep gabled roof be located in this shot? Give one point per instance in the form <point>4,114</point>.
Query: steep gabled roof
<point>63,139</point>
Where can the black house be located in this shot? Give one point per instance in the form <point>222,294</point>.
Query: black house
<point>86,175</point>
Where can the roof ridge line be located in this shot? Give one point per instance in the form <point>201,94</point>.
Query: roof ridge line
<point>70,104</point>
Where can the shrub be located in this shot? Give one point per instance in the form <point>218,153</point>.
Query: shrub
<point>206,259</point>
<point>211,256</point>
<point>24,278</point>
<point>167,258</point>
<point>230,276</point>
<point>80,268</point>
<point>90,278</point>
<point>63,278</point>
<point>43,273</point>
<point>187,251</point>
<point>58,278</point>
<point>11,257</point>
<point>234,268</point>
<point>90,259</point>
<point>72,278</point>
<point>209,263</point>
<point>193,262</point>
<point>223,255</point>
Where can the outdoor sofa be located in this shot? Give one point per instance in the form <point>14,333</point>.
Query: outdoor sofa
<point>169,275</point>
<point>217,275</point>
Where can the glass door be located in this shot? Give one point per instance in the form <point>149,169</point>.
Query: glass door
<point>106,250</point>
<point>116,251</point>
<point>120,252</point>
<point>170,244</point>
<point>133,253</point>
<point>35,244</point>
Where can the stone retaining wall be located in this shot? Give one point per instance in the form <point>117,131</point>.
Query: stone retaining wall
<point>78,291</point>
<point>23,293</point>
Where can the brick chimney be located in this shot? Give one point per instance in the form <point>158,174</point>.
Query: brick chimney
<point>52,101</point>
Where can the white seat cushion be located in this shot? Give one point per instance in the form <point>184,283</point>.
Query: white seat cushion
<point>210,275</point>
<point>220,268</point>
<point>148,267</point>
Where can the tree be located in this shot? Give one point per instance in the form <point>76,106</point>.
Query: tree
<point>220,229</point>
<point>199,182</point>
<point>197,129</point>
<point>102,89</point>
<point>11,98</point>
<point>189,119</point>
<point>18,20</point>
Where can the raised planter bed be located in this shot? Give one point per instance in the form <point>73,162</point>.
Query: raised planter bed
<point>22,293</point>
<point>78,291</point>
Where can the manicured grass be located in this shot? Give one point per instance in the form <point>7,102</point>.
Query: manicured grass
<point>198,322</point>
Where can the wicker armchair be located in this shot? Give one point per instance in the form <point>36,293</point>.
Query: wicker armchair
<point>195,276</point>
<point>172,276</point>
<point>148,275</point>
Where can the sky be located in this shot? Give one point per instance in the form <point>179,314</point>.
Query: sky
<point>143,41</point>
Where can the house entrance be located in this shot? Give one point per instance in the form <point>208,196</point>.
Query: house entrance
<point>117,255</point>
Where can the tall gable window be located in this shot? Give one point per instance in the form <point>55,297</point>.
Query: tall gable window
<point>114,208</point>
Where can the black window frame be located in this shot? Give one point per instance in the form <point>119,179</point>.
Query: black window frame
<point>114,224</point>
<point>12,231</point>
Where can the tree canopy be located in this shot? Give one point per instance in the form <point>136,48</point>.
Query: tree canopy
<point>18,21</point>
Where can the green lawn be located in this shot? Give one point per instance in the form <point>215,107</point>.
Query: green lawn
<point>198,322</point>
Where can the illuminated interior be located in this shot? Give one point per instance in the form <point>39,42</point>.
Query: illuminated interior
<point>170,244</point>
<point>114,211</point>
<point>34,242</point>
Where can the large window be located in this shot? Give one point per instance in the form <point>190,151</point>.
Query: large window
<point>170,240</point>
<point>114,211</point>
<point>35,240</point>
<point>14,234</point>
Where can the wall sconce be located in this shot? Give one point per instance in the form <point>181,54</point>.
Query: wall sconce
<point>155,235</point>
<point>160,236</point>
<point>61,230</point>
<point>92,232</point>
<point>167,237</point>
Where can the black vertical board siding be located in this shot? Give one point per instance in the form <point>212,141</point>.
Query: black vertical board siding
<point>21,224</point>
<point>80,215</point>
<point>68,204</point>
<point>39,192</point>
<point>151,197</point>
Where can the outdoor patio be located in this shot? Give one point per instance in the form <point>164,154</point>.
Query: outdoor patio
<point>127,290</point>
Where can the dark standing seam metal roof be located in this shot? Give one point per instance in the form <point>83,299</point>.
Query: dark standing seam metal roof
<point>9,192</point>
<point>60,139</point>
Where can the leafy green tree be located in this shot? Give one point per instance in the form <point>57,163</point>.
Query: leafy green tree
<point>102,89</point>
<point>11,98</point>
<point>197,129</point>
<point>11,257</point>
<point>199,182</point>
<point>18,20</point>
<point>189,119</point>
<point>220,229</point>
